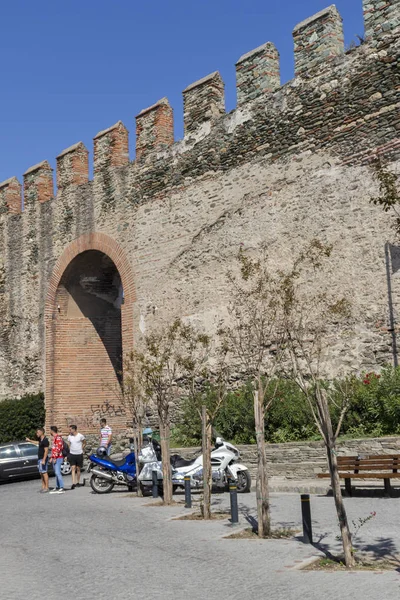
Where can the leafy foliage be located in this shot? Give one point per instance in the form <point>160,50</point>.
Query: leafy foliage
<point>374,410</point>
<point>20,418</point>
<point>389,194</point>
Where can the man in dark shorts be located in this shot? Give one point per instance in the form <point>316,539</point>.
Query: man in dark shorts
<point>43,457</point>
<point>76,443</point>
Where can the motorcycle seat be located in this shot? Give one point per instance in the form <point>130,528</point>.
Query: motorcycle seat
<point>178,461</point>
<point>117,463</point>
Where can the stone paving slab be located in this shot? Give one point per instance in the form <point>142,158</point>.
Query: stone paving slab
<point>116,546</point>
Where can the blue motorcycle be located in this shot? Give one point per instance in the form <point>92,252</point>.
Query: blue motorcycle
<point>106,472</point>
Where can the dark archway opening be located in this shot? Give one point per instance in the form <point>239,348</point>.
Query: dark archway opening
<point>88,339</point>
<point>94,291</point>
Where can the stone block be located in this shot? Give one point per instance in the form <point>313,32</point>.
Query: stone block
<point>10,196</point>
<point>203,101</point>
<point>111,147</point>
<point>154,128</point>
<point>381,18</point>
<point>73,166</point>
<point>317,40</point>
<point>38,184</point>
<point>257,73</point>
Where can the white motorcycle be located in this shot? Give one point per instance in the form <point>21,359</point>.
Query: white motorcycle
<point>224,465</point>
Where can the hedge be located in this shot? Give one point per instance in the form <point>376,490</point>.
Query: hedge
<point>20,418</point>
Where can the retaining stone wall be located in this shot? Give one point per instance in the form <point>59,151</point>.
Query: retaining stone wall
<point>303,460</point>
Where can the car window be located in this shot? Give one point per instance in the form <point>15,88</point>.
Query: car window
<point>28,449</point>
<point>8,452</point>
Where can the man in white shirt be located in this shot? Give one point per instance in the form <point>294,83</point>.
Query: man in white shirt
<point>76,443</point>
<point>105,436</point>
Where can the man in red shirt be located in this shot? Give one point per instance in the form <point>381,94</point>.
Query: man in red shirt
<point>57,459</point>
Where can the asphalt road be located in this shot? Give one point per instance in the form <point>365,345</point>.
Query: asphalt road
<point>82,545</point>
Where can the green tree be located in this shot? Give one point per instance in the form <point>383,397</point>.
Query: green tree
<point>157,365</point>
<point>205,388</point>
<point>311,321</point>
<point>255,338</point>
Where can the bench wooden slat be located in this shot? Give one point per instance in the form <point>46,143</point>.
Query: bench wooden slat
<point>363,467</point>
<point>369,457</point>
<point>368,461</point>
<point>363,475</point>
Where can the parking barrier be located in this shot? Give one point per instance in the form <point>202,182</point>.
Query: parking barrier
<point>306,517</point>
<point>154,477</point>
<point>234,503</point>
<point>188,492</point>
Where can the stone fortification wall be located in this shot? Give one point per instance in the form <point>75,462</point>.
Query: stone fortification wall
<point>289,164</point>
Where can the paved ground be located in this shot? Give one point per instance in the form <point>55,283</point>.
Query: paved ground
<point>81,545</point>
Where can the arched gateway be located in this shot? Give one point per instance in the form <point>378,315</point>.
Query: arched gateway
<point>89,327</point>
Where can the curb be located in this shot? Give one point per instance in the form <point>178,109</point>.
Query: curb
<point>305,563</point>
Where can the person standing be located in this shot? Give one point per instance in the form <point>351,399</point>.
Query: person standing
<point>43,457</point>
<point>76,443</point>
<point>105,436</point>
<point>57,459</point>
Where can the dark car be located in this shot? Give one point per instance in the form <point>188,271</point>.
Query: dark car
<point>19,460</point>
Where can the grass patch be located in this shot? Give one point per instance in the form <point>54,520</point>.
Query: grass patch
<point>161,503</point>
<point>215,516</point>
<point>251,534</point>
<point>362,564</point>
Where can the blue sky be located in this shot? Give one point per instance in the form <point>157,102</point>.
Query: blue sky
<point>71,68</point>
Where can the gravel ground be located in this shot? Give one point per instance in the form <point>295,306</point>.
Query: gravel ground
<point>88,546</point>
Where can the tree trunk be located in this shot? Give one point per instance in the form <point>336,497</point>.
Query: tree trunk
<point>263,508</point>
<point>166,462</point>
<point>335,480</point>
<point>207,476</point>
<point>340,509</point>
<point>137,443</point>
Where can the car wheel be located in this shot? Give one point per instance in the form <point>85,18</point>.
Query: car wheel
<point>65,468</point>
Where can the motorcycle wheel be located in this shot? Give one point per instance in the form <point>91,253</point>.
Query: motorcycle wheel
<point>243,482</point>
<point>100,485</point>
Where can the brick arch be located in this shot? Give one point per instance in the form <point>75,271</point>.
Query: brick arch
<point>105,244</point>
<point>92,241</point>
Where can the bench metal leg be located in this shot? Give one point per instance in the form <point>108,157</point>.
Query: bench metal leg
<point>388,487</point>
<point>347,484</point>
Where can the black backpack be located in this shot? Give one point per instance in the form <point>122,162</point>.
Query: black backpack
<point>65,450</point>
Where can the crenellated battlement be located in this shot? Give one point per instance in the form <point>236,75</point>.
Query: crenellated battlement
<point>319,56</point>
<point>318,40</point>
<point>154,128</point>
<point>10,195</point>
<point>73,166</point>
<point>38,184</point>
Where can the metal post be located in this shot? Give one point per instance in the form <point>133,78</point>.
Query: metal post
<point>392,326</point>
<point>188,492</point>
<point>154,477</point>
<point>234,503</point>
<point>306,516</point>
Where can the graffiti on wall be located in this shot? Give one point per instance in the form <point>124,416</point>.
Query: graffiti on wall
<point>88,420</point>
<point>99,411</point>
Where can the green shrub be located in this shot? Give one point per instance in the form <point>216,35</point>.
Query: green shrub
<point>374,411</point>
<point>289,418</point>
<point>20,418</point>
<point>375,405</point>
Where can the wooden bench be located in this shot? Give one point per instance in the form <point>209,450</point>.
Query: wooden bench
<point>379,466</point>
